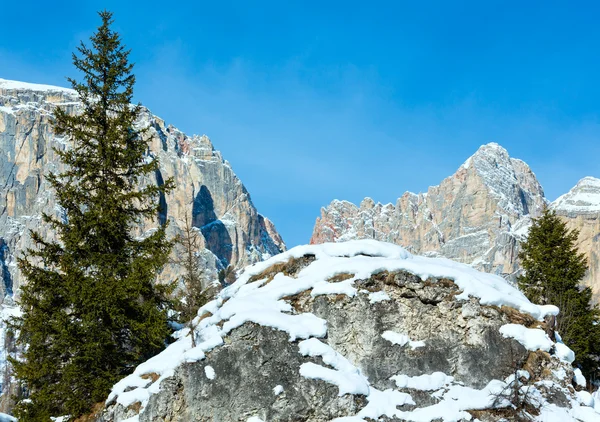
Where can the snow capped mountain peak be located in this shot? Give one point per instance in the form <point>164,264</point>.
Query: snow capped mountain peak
<point>508,179</point>
<point>583,197</point>
<point>487,152</point>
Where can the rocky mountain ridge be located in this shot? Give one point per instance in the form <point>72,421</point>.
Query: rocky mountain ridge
<point>233,232</point>
<point>476,216</point>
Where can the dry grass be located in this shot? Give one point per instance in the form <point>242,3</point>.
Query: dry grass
<point>300,302</point>
<point>384,276</point>
<point>340,277</point>
<point>136,407</point>
<point>517,317</point>
<point>150,376</point>
<point>508,413</point>
<point>94,415</point>
<point>289,268</point>
<point>536,364</point>
<point>205,315</point>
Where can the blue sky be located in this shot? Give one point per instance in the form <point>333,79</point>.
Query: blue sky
<point>312,101</point>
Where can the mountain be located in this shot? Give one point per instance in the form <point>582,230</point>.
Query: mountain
<point>233,232</point>
<point>476,216</point>
<point>358,331</point>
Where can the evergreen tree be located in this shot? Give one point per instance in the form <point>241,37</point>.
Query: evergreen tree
<point>553,272</point>
<point>91,308</point>
<point>196,292</point>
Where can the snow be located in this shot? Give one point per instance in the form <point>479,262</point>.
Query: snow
<point>426,382</point>
<point>384,403</point>
<point>7,418</point>
<point>209,372</point>
<point>7,110</point>
<point>6,84</point>
<point>531,338</point>
<point>585,398</point>
<point>278,390</point>
<point>378,297</point>
<point>254,419</point>
<point>345,376</point>
<point>401,339</point>
<point>452,406</point>
<point>578,378</point>
<point>314,347</point>
<point>340,288</point>
<point>347,383</point>
<point>564,353</point>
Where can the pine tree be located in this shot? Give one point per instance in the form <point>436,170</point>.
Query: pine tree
<point>91,308</point>
<point>196,292</point>
<point>553,272</point>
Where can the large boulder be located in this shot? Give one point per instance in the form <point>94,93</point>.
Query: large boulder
<point>358,330</point>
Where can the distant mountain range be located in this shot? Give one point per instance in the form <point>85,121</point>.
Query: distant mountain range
<point>478,216</point>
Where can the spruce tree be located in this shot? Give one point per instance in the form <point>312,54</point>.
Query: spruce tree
<point>91,308</point>
<point>553,272</point>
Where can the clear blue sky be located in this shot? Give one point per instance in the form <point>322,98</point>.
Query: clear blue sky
<point>312,101</point>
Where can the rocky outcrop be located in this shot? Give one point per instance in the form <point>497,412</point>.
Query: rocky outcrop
<point>359,330</point>
<point>233,232</point>
<point>476,216</point>
<point>580,208</point>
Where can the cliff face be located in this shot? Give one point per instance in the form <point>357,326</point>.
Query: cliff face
<point>359,331</point>
<point>475,216</point>
<point>233,232</point>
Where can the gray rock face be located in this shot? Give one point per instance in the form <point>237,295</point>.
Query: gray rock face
<point>233,232</point>
<point>258,371</point>
<point>475,216</point>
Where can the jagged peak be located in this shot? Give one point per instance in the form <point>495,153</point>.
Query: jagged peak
<point>18,85</point>
<point>488,152</point>
<point>504,177</point>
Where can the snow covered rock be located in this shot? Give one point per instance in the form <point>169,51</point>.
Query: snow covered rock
<point>298,338</point>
